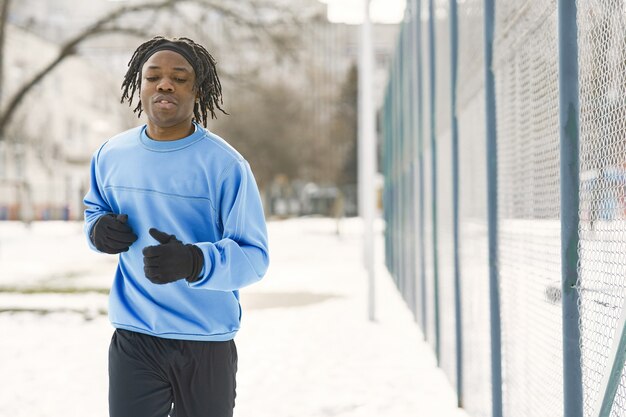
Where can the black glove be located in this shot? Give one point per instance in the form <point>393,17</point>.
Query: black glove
<point>171,260</point>
<point>111,234</point>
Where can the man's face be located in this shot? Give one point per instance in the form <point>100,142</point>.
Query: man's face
<point>167,89</point>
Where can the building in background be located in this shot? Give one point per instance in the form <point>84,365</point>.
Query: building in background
<point>44,156</point>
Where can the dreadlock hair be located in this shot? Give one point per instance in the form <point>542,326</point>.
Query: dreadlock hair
<point>207,82</point>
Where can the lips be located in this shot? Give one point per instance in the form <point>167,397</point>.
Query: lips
<point>164,102</point>
<point>164,98</point>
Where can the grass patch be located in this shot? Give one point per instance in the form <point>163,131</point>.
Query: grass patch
<point>52,290</point>
<point>87,314</point>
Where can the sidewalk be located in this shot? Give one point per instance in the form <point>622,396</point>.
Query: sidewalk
<point>306,348</point>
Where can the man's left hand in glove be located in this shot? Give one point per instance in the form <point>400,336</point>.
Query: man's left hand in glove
<point>171,260</point>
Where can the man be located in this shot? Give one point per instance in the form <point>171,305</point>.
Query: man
<point>182,209</point>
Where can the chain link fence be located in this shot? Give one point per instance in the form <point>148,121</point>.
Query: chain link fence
<point>529,241</point>
<point>510,285</point>
<point>602,247</point>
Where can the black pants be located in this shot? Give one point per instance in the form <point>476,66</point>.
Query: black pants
<point>150,375</point>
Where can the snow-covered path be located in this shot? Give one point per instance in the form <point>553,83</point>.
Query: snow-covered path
<point>306,348</point>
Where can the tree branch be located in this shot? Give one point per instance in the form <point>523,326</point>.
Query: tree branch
<point>69,48</point>
<point>286,18</point>
<point>66,51</point>
<point>104,25</point>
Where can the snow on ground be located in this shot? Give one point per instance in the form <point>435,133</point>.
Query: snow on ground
<point>306,347</point>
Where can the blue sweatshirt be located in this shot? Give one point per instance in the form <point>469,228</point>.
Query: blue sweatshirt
<point>200,189</point>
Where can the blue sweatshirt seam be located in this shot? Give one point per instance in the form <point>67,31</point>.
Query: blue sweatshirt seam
<point>97,174</point>
<point>213,138</point>
<point>148,191</point>
<point>241,212</point>
<point>221,182</point>
<point>170,149</point>
<point>225,171</point>
<point>91,223</point>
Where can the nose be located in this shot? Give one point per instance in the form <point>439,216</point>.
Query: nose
<point>165,85</point>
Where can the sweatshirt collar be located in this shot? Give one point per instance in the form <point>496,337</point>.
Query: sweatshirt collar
<point>170,145</point>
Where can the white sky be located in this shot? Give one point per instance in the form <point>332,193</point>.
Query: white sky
<point>351,11</point>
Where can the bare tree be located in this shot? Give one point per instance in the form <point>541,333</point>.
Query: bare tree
<point>344,130</point>
<point>271,127</point>
<point>264,20</point>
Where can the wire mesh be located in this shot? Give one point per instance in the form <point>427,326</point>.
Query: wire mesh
<point>473,245</point>
<point>418,94</point>
<point>474,260</point>
<point>443,73</point>
<point>602,73</point>
<point>445,248</point>
<point>428,248</point>
<point>409,159</point>
<point>446,258</point>
<point>526,65</point>
<point>399,159</point>
<point>385,168</point>
<point>414,89</point>
<point>427,181</point>
<point>397,88</point>
<point>400,166</point>
<point>529,239</point>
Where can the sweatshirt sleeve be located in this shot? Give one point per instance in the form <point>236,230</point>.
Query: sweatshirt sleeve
<point>241,257</point>
<point>95,204</point>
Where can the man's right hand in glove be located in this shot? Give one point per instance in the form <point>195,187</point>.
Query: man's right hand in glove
<point>111,234</point>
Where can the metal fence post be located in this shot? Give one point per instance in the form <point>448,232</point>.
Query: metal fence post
<point>433,154</point>
<point>569,136</point>
<point>410,152</point>
<point>413,155</point>
<point>397,88</point>
<point>492,213</point>
<point>454,45</point>
<point>419,117</point>
<point>405,196</point>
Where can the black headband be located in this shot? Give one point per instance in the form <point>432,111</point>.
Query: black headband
<point>171,46</point>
